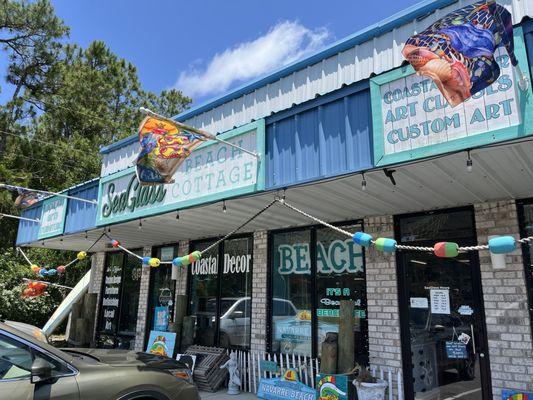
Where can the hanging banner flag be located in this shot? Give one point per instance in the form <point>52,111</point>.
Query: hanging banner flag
<point>165,143</point>
<point>27,198</point>
<point>164,146</point>
<point>457,51</point>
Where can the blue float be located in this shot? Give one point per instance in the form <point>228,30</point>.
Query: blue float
<point>146,261</point>
<point>43,272</point>
<point>177,262</point>
<point>502,245</point>
<point>362,239</point>
<point>52,272</point>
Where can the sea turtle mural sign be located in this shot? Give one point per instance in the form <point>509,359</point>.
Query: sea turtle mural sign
<point>412,118</point>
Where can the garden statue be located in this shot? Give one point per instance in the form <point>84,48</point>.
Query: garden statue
<point>234,375</point>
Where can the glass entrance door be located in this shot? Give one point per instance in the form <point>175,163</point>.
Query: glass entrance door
<point>443,331</point>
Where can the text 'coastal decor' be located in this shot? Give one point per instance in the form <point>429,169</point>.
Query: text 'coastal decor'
<point>165,144</point>
<point>412,119</point>
<point>214,171</point>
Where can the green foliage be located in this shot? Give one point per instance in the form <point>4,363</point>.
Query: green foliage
<point>67,102</point>
<point>37,310</point>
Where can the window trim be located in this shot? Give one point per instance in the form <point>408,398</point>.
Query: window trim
<point>526,255</point>
<point>312,249</point>
<point>33,347</point>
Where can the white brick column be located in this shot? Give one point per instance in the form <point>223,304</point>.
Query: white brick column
<point>259,292</point>
<point>143,303</point>
<point>181,283</point>
<point>505,300</point>
<point>384,341</point>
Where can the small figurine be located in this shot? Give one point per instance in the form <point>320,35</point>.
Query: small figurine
<point>234,376</point>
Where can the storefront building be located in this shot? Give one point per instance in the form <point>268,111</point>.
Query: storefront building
<point>352,136</point>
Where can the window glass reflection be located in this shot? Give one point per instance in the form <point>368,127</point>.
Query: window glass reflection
<point>291,288</point>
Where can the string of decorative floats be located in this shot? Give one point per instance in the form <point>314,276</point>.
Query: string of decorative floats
<point>44,271</point>
<point>496,245</point>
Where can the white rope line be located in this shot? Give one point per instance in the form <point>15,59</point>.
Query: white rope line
<point>25,256</point>
<point>131,253</point>
<point>413,248</point>
<point>318,220</point>
<point>70,263</point>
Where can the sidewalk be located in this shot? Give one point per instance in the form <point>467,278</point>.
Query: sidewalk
<point>222,395</point>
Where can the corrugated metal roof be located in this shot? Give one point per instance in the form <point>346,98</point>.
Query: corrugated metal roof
<point>373,50</point>
<point>28,231</point>
<point>81,216</point>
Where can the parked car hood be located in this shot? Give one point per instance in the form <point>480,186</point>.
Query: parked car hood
<point>124,358</point>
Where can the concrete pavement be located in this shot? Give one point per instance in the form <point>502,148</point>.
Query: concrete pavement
<point>222,395</point>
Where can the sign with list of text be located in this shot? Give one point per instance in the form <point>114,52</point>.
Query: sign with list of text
<point>52,217</point>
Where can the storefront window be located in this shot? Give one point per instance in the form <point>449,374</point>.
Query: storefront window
<point>120,301</point>
<point>220,295</point>
<point>162,290</point>
<point>291,292</point>
<point>203,298</point>
<point>235,293</point>
<point>340,276</point>
<point>312,270</point>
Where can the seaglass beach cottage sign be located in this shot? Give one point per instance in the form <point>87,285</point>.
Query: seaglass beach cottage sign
<point>412,119</point>
<point>214,171</point>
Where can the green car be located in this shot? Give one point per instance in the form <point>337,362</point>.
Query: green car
<point>32,369</point>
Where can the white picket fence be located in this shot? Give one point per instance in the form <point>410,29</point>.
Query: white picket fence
<point>307,368</point>
<point>393,379</point>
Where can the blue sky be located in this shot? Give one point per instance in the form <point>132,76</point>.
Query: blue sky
<point>207,47</point>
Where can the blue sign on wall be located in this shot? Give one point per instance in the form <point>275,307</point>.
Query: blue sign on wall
<point>52,219</point>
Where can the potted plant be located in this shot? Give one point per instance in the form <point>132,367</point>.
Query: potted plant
<point>369,387</point>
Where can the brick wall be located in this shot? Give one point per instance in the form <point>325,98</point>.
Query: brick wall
<point>95,285</point>
<point>384,342</point>
<point>259,292</point>
<point>505,300</point>
<point>143,303</point>
<point>181,283</point>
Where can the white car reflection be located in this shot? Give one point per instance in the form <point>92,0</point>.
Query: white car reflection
<point>235,318</point>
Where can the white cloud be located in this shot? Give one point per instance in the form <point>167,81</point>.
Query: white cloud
<point>284,43</point>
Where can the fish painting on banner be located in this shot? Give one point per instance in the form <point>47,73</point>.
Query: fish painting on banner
<point>164,146</point>
<point>457,51</point>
